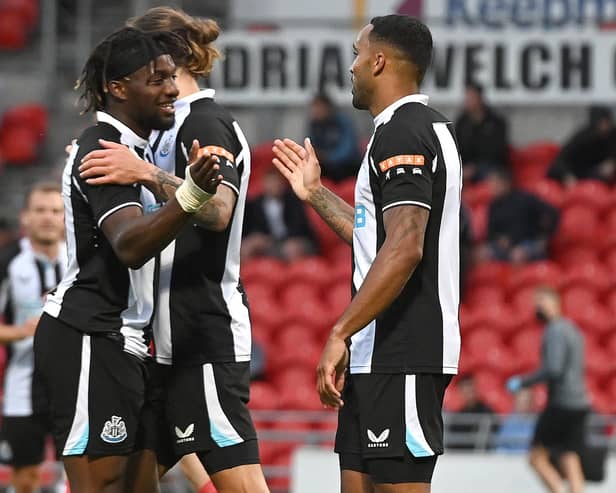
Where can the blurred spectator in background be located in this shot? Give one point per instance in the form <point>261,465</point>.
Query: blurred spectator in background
<point>519,223</point>
<point>590,152</point>
<point>333,137</point>
<point>472,404</point>
<point>516,430</point>
<point>276,223</point>
<point>482,136</point>
<point>561,425</point>
<point>8,233</point>
<point>466,245</point>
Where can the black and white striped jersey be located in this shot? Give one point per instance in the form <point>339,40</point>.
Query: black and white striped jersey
<point>25,279</point>
<point>412,159</point>
<point>99,294</point>
<point>202,314</point>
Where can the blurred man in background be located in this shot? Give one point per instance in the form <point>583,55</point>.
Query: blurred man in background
<point>590,152</point>
<point>276,223</point>
<point>25,277</point>
<point>471,404</point>
<point>520,224</point>
<point>482,136</point>
<point>561,426</point>
<point>334,139</point>
<point>516,430</point>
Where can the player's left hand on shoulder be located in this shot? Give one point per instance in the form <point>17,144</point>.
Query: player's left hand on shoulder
<point>115,164</point>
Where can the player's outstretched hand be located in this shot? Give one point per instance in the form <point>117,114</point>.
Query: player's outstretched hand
<point>204,168</point>
<point>331,372</point>
<point>299,165</point>
<point>116,164</point>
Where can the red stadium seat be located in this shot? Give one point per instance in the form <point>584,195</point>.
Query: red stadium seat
<point>479,220</point>
<point>545,272</point>
<point>531,164</point>
<point>18,144</point>
<point>548,190</point>
<point>527,344</point>
<point>479,194</point>
<point>485,295</point>
<point>598,362</point>
<point>489,273</point>
<point>610,302</point>
<point>312,270</point>
<point>578,226</point>
<point>301,397</point>
<point>263,396</point>
<point>328,240</point>
<point>264,269</point>
<point>498,317</point>
<point>27,10</point>
<point>453,400</point>
<point>313,312</point>
<point>13,31</point>
<point>593,194</point>
<point>592,276</point>
<point>340,256</point>
<point>592,319</point>
<point>265,311</point>
<point>33,116</point>
<point>469,318</point>
<point>542,153</point>
<point>574,255</point>
<point>338,297</point>
<point>298,292</point>
<point>481,338</point>
<point>346,190</point>
<point>576,297</point>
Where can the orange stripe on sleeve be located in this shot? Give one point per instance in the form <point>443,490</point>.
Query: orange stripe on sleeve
<point>220,151</point>
<point>402,160</point>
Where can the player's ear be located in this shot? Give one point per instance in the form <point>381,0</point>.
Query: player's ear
<point>117,89</point>
<point>378,63</point>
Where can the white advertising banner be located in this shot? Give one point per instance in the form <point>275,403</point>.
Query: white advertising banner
<point>564,67</point>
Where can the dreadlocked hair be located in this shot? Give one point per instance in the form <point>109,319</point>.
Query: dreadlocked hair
<point>198,33</point>
<point>115,52</point>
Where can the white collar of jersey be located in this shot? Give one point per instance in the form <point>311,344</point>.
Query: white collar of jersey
<point>385,115</point>
<point>202,94</point>
<point>128,136</point>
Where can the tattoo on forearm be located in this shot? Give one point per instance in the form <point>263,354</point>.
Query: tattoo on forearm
<point>335,212</point>
<point>164,188</point>
<point>165,185</point>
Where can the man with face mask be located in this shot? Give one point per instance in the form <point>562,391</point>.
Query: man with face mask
<point>561,425</point>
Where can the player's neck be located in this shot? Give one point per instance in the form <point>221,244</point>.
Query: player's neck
<point>48,250</point>
<point>393,93</point>
<point>186,84</point>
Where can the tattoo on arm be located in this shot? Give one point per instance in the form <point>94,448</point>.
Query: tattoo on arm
<point>164,186</point>
<point>335,212</point>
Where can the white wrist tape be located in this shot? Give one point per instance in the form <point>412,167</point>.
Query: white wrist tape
<point>190,196</point>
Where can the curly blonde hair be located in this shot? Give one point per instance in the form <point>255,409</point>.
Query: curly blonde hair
<point>198,33</point>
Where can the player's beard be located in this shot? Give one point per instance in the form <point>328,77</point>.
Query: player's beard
<point>359,98</point>
<point>158,122</point>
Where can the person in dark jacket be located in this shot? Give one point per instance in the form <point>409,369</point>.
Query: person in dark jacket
<point>333,136</point>
<point>590,152</point>
<point>276,223</point>
<point>519,223</point>
<point>482,136</point>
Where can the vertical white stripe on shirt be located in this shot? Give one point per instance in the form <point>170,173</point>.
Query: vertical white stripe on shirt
<point>364,252</point>
<point>162,318</point>
<point>221,429</point>
<point>415,439</point>
<point>240,319</point>
<point>54,302</point>
<point>77,441</point>
<point>449,250</point>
